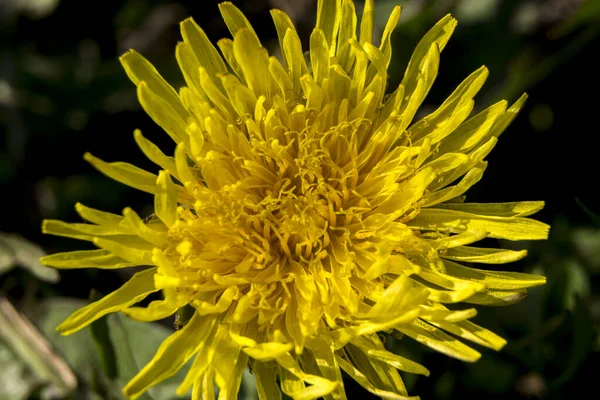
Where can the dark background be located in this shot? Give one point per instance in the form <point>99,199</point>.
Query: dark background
<point>63,92</point>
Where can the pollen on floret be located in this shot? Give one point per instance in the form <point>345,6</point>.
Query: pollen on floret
<point>185,248</point>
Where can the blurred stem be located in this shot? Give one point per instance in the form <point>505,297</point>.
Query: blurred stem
<point>536,336</point>
<point>33,348</point>
<point>532,74</point>
<point>593,217</point>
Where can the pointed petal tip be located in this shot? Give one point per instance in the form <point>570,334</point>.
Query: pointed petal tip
<point>87,156</point>
<point>65,330</point>
<point>501,344</point>
<point>127,392</point>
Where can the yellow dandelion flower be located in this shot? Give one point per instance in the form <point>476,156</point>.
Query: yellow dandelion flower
<point>304,211</point>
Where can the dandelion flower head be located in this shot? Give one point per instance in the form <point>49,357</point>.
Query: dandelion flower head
<point>305,212</point>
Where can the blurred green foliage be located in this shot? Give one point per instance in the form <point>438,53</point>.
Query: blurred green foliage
<point>62,92</point>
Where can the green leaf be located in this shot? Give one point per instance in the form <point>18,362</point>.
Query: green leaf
<point>101,335</point>
<point>577,283</point>
<point>134,345</point>
<point>15,250</point>
<point>78,349</point>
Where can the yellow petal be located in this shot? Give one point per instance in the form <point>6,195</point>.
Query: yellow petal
<point>137,288</point>
<point>490,297</point>
<point>475,159</point>
<point>414,96</point>
<point>224,302</point>
<point>514,209</point>
<point>281,77</point>
<point>294,58</point>
<point>201,364</point>
<point>142,230</point>
<point>427,52</point>
<point>512,228</point>
<point>367,22</point>
<point>510,114</point>
<point>242,99</point>
<point>226,47</point>
<point>290,383</point>
<point>186,175</point>
<point>204,387</point>
<point>77,231</point>
<point>385,376</point>
<point>483,255</point>
<point>319,386</point>
<point>324,356</point>
<point>206,54</point>
<point>172,354</point>
<point>500,280</point>
<point>253,60</point>
<point>131,254</point>
<point>189,66</point>
<point>450,242</point>
<point>235,19</point>
<point>386,43</point>
<point>328,20</point>
<point>473,131</point>
<point>102,218</point>
<point>347,31</point>
<point>229,362</point>
<point>461,96</point>
<point>438,196</point>
<point>165,199</point>
<point>339,84</point>
<point>344,335</point>
<point>216,96</point>
<point>439,313</point>
<point>156,310</point>
<point>359,377</point>
<point>282,23</point>
<point>268,351</point>
<point>163,113</point>
<point>399,297</point>
<point>101,259</point>
<point>470,331</point>
<point>396,361</point>
<point>319,56</point>
<point>266,381</point>
<point>125,173</point>
<point>140,70</point>
<point>451,296</point>
<point>153,152</point>
<point>436,339</point>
